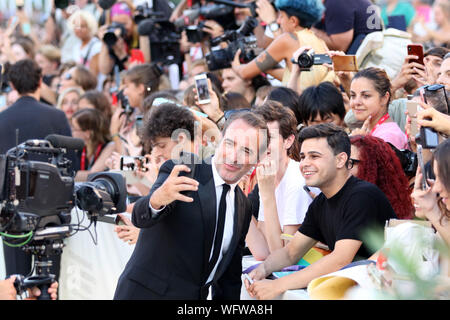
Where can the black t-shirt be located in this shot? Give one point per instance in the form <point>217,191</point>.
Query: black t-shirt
<point>357,207</point>
<point>344,15</point>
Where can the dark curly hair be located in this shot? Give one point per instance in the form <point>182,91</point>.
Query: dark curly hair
<point>164,120</point>
<point>380,165</point>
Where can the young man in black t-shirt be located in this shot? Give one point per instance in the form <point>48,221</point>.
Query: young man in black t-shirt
<point>347,22</point>
<point>338,217</point>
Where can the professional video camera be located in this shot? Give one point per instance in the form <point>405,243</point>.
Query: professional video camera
<point>241,38</point>
<point>36,199</point>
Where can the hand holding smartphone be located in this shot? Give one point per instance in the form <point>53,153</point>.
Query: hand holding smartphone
<point>201,85</point>
<point>416,50</point>
<point>413,107</point>
<point>345,63</point>
<point>424,184</point>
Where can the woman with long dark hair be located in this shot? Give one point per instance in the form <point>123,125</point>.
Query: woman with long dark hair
<point>433,204</point>
<point>90,125</point>
<point>374,161</point>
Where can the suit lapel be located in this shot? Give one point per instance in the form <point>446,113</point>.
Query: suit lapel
<point>207,195</point>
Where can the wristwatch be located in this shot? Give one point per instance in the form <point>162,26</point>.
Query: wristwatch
<point>274,26</point>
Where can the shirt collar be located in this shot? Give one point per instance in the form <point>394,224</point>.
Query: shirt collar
<point>218,181</point>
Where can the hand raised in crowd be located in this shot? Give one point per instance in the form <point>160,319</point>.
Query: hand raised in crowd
<point>430,117</point>
<point>117,121</point>
<point>212,108</point>
<point>213,28</point>
<point>409,71</point>
<point>412,139</point>
<point>344,77</point>
<point>128,232</point>
<point>425,201</point>
<point>266,12</point>
<point>113,162</point>
<point>364,129</point>
<point>172,187</point>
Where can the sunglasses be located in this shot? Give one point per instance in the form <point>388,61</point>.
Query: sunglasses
<point>352,162</point>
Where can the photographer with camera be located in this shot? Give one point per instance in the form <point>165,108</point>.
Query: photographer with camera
<point>25,76</point>
<point>295,19</point>
<point>120,45</point>
<point>139,82</point>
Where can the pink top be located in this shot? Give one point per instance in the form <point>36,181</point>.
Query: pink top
<point>391,132</point>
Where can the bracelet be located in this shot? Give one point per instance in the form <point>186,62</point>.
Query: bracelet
<point>115,135</point>
<point>217,122</point>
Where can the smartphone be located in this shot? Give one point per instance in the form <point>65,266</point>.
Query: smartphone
<point>428,138</point>
<point>413,107</point>
<point>416,50</point>
<point>436,97</point>
<point>345,63</point>
<point>424,184</point>
<point>189,160</point>
<point>129,163</point>
<point>201,84</point>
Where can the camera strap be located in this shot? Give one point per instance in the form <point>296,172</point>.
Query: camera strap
<point>380,122</point>
<point>83,157</point>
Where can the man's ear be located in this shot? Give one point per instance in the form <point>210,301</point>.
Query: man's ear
<point>341,160</point>
<point>289,141</point>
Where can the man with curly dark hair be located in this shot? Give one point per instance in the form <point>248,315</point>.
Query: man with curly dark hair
<point>167,127</point>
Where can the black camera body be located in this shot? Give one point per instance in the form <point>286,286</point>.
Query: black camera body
<point>307,59</point>
<point>113,33</point>
<point>36,194</point>
<point>241,38</point>
<point>63,4</point>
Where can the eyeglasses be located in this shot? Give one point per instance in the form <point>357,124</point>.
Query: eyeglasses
<point>352,162</point>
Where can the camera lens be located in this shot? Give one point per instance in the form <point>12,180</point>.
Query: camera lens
<point>306,59</point>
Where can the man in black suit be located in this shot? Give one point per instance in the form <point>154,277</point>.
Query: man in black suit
<point>33,120</point>
<point>193,229</point>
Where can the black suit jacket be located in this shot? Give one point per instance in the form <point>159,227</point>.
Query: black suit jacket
<point>170,260</point>
<point>34,120</point>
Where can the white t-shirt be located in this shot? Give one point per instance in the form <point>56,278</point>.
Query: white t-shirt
<point>88,51</point>
<point>292,200</point>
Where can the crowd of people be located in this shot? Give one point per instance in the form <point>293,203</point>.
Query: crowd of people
<point>295,158</point>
